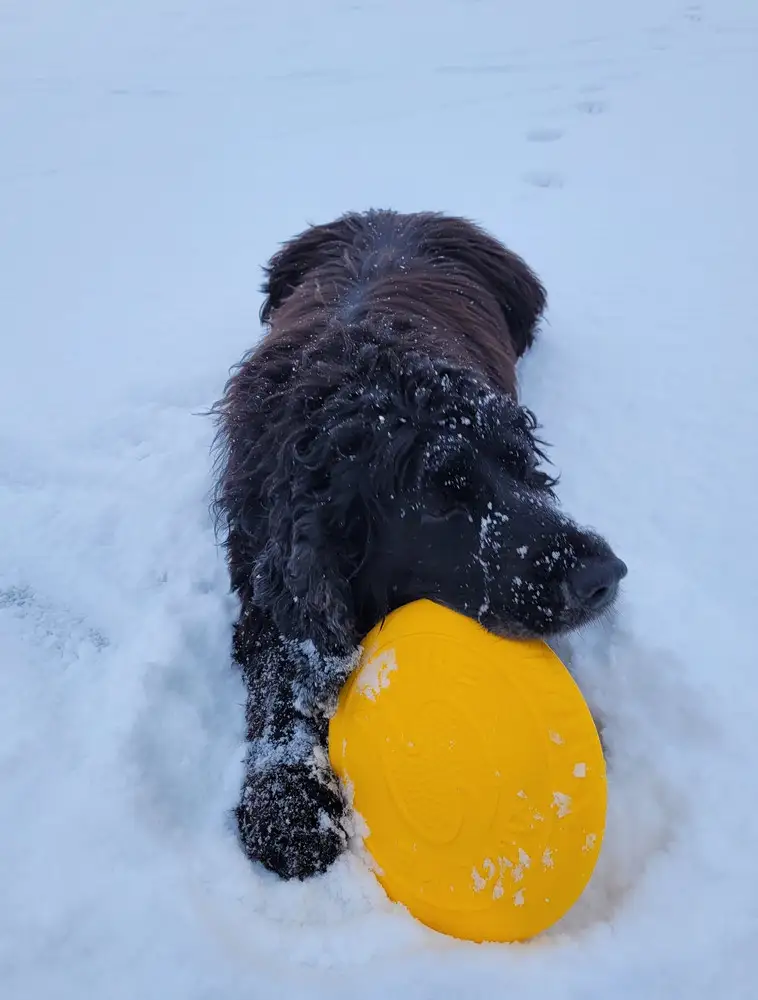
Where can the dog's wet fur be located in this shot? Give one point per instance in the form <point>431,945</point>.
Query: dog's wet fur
<point>372,451</point>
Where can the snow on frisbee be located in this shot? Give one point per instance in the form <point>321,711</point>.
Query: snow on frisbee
<point>445,736</point>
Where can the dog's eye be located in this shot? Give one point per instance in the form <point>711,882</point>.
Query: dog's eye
<point>522,463</point>
<point>451,489</point>
<point>540,480</point>
<point>529,472</point>
<point>519,462</point>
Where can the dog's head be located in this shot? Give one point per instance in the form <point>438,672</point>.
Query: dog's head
<point>403,478</point>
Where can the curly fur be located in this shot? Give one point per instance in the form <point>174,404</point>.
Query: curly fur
<point>372,451</point>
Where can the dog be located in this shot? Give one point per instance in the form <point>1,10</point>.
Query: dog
<point>372,451</point>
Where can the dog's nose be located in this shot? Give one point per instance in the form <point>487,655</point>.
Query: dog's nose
<point>595,582</point>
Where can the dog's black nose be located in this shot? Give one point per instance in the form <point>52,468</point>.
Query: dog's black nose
<point>595,582</point>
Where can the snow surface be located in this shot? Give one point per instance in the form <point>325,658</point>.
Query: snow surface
<point>153,153</point>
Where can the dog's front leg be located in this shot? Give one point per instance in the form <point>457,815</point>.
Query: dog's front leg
<point>291,812</point>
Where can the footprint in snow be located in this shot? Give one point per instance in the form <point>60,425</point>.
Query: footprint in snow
<point>591,106</point>
<point>544,134</point>
<point>544,179</point>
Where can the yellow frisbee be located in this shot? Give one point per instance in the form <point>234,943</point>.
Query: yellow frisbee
<point>477,769</point>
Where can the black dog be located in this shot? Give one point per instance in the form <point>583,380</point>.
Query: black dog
<point>372,453</point>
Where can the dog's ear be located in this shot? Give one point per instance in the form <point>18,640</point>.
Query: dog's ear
<point>319,498</point>
<point>310,249</point>
<point>299,579</point>
<point>351,449</point>
<point>301,576</point>
<point>516,288</point>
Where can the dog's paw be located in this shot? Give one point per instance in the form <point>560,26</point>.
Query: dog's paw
<point>291,822</point>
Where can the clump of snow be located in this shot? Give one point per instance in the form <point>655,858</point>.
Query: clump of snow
<point>374,674</point>
<point>142,182</point>
<point>478,881</point>
<point>562,804</point>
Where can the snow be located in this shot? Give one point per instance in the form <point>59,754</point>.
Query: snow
<point>375,673</point>
<point>153,156</point>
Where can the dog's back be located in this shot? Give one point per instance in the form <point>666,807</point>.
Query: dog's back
<point>452,289</point>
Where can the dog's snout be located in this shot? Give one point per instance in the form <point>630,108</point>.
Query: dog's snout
<point>593,583</point>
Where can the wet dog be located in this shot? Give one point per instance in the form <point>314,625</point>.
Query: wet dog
<point>372,451</point>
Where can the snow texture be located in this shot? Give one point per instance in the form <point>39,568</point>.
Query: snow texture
<point>375,673</point>
<point>153,156</point>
